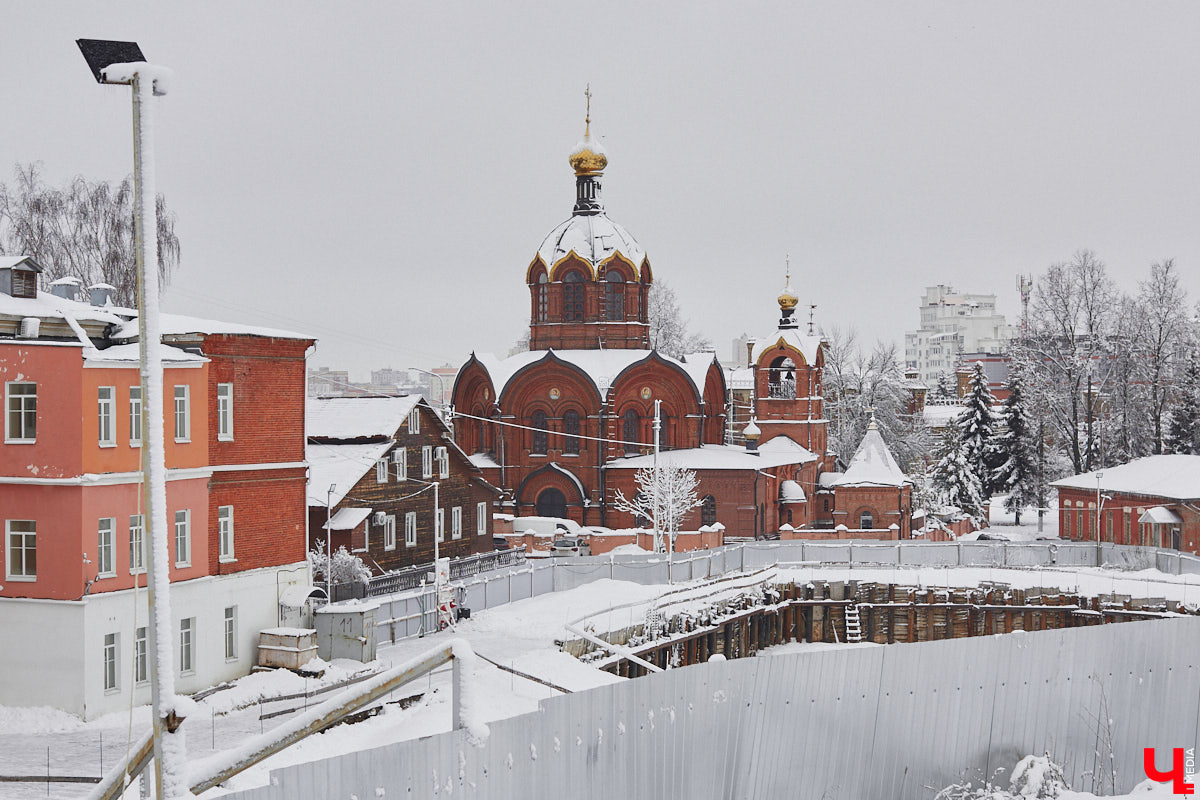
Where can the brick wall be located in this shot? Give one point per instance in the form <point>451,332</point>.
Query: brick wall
<point>268,517</point>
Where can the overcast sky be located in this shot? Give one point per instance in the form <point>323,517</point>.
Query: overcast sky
<point>380,175</point>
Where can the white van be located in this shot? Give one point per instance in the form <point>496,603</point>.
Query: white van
<point>547,527</point>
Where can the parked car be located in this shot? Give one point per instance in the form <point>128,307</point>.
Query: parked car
<point>547,526</point>
<point>570,546</point>
<point>500,543</point>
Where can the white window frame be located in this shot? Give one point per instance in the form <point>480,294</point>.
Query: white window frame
<point>427,461</point>
<point>410,529</point>
<point>187,645</point>
<point>481,519</point>
<point>414,420</point>
<point>183,413</point>
<point>400,459</point>
<point>106,547</point>
<point>111,667</point>
<point>137,544</point>
<point>229,632</point>
<point>106,416</point>
<point>22,401</point>
<point>456,522</point>
<point>225,551</point>
<point>439,525</point>
<point>9,533</point>
<point>389,532</point>
<point>224,412</point>
<point>381,471</point>
<point>183,537</point>
<point>141,656</point>
<point>135,416</point>
<point>443,461</point>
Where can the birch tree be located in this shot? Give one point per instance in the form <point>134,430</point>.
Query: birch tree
<point>1161,305</point>
<point>83,229</point>
<point>669,332</point>
<point>665,496</point>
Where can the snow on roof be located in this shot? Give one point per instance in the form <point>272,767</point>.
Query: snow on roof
<point>1160,516</point>
<point>130,353</point>
<point>338,465</point>
<point>827,480</point>
<point>483,460</point>
<point>872,464</point>
<point>178,325</point>
<point>593,237</point>
<point>792,492</point>
<point>357,417</point>
<point>602,366</point>
<point>1176,477</point>
<point>778,452</point>
<point>808,346</point>
<point>8,262</point>
<point>740,378</point>
<point>347,519</point>
<point>46,305</point>
<point>940,415</point>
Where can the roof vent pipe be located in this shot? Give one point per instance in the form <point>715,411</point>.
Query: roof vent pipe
<point>30,327</point>
<point>100,294</point>
<point>66,288</point>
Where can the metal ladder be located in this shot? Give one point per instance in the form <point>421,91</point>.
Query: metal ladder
<point>853,624</point>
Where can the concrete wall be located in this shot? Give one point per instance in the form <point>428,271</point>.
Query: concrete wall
<point>892,722</point>
<point>54,649</point>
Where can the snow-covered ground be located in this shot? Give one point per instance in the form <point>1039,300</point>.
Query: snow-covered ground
<point>518,635</point>
<point>1003,522</point>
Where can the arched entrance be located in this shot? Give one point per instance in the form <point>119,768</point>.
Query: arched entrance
<point>551,503</point>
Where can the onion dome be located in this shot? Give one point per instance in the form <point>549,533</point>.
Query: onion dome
<point>751,431</point>
<point>588,157</point>
<point>788,298</point>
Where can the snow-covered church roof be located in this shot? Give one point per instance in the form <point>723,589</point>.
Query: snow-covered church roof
<point>601,366</point>
<point>872,464</point>
<point>592,237</point>
<point>809,346</point>
<point>1176,477</point>
<point>778,452</point>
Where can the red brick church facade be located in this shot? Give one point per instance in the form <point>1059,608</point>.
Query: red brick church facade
<point>561,428</point>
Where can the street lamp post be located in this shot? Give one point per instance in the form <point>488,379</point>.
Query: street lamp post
<point>123,63</point>
<point>1099,507</point>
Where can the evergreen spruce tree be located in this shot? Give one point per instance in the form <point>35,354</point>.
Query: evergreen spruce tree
<point>954,477</point>
<point>1183,426</point>
<point>1015,454</point>
<point>978,425</point>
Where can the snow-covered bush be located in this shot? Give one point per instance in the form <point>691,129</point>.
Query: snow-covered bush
<point>344,567</point>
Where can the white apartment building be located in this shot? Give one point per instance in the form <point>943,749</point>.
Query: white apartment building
<point>953,323</point>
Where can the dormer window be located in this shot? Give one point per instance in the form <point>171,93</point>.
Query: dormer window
<point>24,283</point>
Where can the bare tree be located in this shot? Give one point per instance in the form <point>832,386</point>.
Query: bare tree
<point>1067,351</point>
<point>669,332</point>
<point>83,229</point>
<point>665,496</point>
<point>1160,303</point>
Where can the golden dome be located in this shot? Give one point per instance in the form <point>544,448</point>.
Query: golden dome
<point>588,157</point>
<point>788,298</point>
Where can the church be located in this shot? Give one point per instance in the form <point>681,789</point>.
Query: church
<point>563,427</point>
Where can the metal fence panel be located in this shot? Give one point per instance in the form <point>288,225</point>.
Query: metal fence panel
<point>889,722</point>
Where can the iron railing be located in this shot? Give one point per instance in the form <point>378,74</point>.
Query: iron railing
<point>412,577</point>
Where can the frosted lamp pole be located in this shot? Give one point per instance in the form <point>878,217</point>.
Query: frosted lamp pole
<point>1099,502</point>
<point>123,63</point>
<point>328,537</point>
<point>657,480</point>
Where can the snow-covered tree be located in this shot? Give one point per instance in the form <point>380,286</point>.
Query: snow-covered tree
<point>1161,305</point>
<point>83,229</point>
<point>955,479</point>
<point>946,387</point>
<point>1183,424</point>
<point>341,566</point>
<point>1015,452</point>
<point>669,332</point>
<point>978,425</point>
<point>664,496</point>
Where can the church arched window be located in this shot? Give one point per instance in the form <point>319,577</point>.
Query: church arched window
<point>708,510</point>
<point>630,423</point>
<point>614,296</point>
<point>542,301</point>
<point>537,421</point>
<point>866,520</point>
<point>573,294</point>
<point>571,432</point>
<point>781,379</point>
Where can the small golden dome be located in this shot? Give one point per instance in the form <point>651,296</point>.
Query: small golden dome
<point>588,157</point>
<point>788,298</point>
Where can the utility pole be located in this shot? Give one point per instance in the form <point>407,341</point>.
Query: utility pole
<point>657,478</point>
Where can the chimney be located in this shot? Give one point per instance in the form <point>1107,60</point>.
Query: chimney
<point>100,294</point>
<point>66,288</point>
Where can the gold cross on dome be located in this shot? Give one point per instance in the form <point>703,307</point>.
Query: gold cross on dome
<point>587,120</point>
